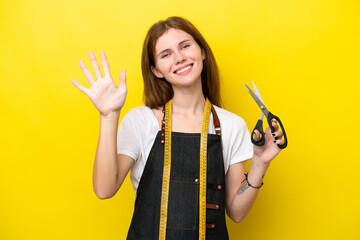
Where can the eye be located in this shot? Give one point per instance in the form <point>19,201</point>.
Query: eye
<point>164,55</point>
<point>186,46</point>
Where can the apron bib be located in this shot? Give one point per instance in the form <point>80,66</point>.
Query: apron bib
<point>183,203</point>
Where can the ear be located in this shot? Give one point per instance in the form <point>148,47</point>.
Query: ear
<point>203,54</point>
<point>156,72</point>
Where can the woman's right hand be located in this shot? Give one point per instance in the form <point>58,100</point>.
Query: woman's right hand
<point>104,94</point>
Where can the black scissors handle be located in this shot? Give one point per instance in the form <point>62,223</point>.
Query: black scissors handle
<point>259,127</point>
<point>269,118</point>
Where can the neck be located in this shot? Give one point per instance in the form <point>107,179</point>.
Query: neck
<point>188,101</point>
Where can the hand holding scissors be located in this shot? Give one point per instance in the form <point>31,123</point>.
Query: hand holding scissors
<point>269,116</point>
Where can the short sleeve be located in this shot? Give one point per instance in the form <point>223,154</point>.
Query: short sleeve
<point>127,140</point>
<point>241,148</point>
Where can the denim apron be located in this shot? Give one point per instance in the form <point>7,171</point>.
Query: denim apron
<point>183,204</point>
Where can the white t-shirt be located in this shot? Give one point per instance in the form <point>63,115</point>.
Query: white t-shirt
<point>139,127</point>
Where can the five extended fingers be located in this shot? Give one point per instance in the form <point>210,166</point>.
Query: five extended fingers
<point>97,72</point>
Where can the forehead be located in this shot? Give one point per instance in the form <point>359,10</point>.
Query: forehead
<point>171,38</point>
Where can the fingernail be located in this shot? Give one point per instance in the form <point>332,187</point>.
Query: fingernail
<point>273,134</point>
<point>274,141</point>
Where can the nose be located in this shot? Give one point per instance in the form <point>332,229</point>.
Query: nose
<point>179,57</point>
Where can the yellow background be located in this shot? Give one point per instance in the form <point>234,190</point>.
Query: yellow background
<point>302,54</point>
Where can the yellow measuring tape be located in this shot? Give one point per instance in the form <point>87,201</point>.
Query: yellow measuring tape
<point>203,165</point>
<point>166,172</point>
<point>167,168</point>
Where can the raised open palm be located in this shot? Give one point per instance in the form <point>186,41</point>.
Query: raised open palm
<point>106,96</point>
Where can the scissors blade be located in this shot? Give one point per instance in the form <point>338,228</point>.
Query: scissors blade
<point>259,96</point>
<point>258,102</point>
<point>257,92</point>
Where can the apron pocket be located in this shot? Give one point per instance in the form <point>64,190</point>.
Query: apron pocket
<point>183,203</point>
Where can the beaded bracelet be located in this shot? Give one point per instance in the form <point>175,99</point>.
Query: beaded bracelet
<point>247,181</point>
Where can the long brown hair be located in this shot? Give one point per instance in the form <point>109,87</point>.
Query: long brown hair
<point>157,91</point>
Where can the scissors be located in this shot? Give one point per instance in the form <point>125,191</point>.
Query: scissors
<point>269,117</point>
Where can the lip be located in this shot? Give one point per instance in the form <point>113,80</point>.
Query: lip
<point>190,64</point>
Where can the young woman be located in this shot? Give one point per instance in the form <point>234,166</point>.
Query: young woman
<point>179,195</point>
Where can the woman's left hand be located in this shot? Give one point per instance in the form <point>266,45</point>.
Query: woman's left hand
<point>269,150</point>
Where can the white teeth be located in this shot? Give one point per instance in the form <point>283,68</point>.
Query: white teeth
<point>183,70</point>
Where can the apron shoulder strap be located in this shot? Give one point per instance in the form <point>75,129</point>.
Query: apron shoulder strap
<point>216,121</point>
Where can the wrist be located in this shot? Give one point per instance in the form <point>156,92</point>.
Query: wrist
<point>256,160</point>
<point>249,184</point>
<point>110,117</point>
<point>113,114</point>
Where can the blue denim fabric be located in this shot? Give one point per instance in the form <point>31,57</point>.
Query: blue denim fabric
<point>183,205</point>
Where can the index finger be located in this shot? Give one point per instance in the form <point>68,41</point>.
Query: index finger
<point>274,124</point>
<point>105,64</point>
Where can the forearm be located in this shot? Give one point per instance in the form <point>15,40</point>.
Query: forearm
<point>105,164</point>
<point>244,198</point>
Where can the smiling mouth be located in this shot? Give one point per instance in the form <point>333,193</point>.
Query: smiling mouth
<point>184,69</point>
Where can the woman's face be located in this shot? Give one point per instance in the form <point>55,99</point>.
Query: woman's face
<point>178,58</point>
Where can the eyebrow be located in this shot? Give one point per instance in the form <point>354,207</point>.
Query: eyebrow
<point>169,49</point>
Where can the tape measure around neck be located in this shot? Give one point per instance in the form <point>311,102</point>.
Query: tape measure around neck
<point>167,168</point>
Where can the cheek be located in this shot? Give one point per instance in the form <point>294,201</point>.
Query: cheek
<point>199,56</point>
<point>166,66</point>
<point>162,66</point>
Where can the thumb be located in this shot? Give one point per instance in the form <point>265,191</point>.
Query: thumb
<point>123,78</point>
<point>257,136</point>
